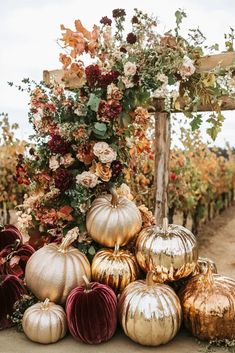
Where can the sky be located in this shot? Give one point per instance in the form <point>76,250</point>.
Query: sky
<point>30,29</point>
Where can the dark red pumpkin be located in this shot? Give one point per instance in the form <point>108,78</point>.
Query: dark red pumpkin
<point>14,262</point>
<point>11,290</point>
<point>92,313</point>
<point>9,235</point>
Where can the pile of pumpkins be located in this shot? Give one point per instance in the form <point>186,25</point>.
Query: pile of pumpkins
<point>89,300</point>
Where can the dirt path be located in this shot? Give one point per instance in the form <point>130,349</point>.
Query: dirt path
<point>216,241</point>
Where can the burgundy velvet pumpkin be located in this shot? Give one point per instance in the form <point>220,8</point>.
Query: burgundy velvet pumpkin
<point>9,235</point>
<point>11,290</point>
<point>92,313</point>
<point>14,261</point>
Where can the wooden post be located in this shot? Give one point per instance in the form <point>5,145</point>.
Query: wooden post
<point>162,151</point>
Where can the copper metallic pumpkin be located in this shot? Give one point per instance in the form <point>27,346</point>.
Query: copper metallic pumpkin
<point>170,250</point>
<point>113,219</point>
<point>116,268</point>
<point>54,270</point>
<point>201,267</point>
<point>208,303</point>
<point>45,322</point>
<point>150,313</point>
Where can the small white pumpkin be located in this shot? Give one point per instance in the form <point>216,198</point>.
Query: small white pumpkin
<point>45,322</point>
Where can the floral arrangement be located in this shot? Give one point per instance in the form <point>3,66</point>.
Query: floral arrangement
<point>92,129</point>
<point>11,148</point>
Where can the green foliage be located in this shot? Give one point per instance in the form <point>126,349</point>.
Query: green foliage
<point>20,307</point>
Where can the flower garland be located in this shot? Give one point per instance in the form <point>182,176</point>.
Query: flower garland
<point>92,129</point>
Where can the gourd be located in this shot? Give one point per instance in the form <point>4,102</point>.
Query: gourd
<point>208,302</point>
<point>44,322</point>
<point>149,312</point>
<point>170,250</point>
<point>116,268</point>
<point>92,312</point>
<point>113,219</point>
<point>54,270</point>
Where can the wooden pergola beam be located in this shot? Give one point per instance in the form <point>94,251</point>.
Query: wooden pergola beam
<point>206,64</point>
<point>210,62</point>
<point>225,102</point>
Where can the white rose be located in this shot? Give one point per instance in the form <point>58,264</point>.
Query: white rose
<point>104,152</point>
<point>163,78</point>
<point>128,83</point>
<point>54,163</point>
<point>129,69</point>
<point>187,68</point>
<point>67,160</point>
<point>87,179</point>
<point>125,191</point>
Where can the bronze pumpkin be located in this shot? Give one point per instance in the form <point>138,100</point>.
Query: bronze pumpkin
<point>208,302</point>
<point>45,322</point>
<point>150,313</point>
<point>113,219</point>
<point>54,270</point>
<point>116,268</point>
<point>170,250</point>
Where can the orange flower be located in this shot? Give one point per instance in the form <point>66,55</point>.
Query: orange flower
<point>103,171</point>
<point>65,213</point>
<point>75,75</point>
<point>65,60</point>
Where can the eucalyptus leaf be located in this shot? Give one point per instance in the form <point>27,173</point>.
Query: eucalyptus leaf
<point>93,102</point>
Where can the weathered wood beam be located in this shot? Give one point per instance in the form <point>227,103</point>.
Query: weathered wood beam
<point>162,151</point>
<point>205,64</point>
<point>225,102</point>
<point>210,62</point>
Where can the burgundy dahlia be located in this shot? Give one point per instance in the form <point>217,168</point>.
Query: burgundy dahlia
<point>114,108</point>
<point>107,79</point>
<point>123,50</point>
<point>134,20</point>
<point>116,168</point>
<point>63,179</point>
<point>109,110</point>
<point>119,13</point>
<point>92,74</point>
<point>131,38</point>
<point>58,145</point>
<point>106,21</point>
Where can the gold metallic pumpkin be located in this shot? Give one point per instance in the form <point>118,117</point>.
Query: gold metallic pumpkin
<point>54,270</point>
<point>208,302</point>
<point>113,219</point>
<point>45,322</point>
<point>116,268</point>
<point>170,250</point>
<point>150,313</point>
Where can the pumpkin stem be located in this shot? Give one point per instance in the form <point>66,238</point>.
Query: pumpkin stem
<point>165,224</point>
<point>208,275</point>
<point>149,279</point>
<point>45,304</point>
<point>114,200</point>
<point>116,249</point>
<point>70,237</point>
<point>87,284</point>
